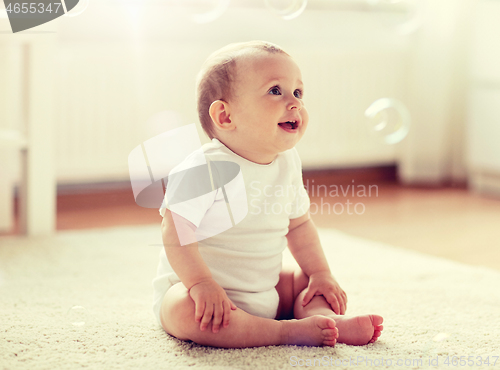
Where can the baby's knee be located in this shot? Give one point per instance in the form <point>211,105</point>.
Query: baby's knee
<point>177,312</point>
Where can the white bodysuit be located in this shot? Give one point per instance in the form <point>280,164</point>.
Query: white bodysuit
<point>245,259</point>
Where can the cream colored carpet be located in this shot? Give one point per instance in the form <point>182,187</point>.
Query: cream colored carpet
<point>83,299</point>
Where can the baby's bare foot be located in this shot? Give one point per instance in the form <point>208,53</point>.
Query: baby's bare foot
<point>358,330</point>
<point>312,331</point>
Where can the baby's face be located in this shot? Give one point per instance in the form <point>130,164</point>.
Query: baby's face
<point>267,109</point>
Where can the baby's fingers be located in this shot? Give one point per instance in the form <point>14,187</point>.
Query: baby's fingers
<point>207,316</point>
<point>198,310</point>
<point>342,301</point>
<point>308,296</point>
<point>343,306</point>
<point>228,306</point>
<point>218,313</point>
<point>334,303</point>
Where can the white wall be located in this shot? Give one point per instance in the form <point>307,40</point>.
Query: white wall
<point>119,66</point>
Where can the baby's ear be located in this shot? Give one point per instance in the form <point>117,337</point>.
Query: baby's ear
<point>219,112</point>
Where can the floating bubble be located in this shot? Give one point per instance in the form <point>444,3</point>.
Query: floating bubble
<point>77,316</point>
<point>404,16</point>
<point>441,337</point>
<point>207,10</point>
<point>434,347</point>
<point>286,9</point>
<point>388,119</point>
<point>73,9</point>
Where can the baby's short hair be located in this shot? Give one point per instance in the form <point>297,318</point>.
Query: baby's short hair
<point>214,81</point>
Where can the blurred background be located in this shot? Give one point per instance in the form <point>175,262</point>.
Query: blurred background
<point>403,96</point>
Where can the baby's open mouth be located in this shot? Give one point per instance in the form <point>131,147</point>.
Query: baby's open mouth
<point>290,125</point>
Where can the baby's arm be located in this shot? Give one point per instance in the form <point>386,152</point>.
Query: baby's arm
<point>209,297</point>
<point>305,246</point>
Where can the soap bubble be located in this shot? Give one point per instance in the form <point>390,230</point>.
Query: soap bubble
<point>438,343</point>
<point>207,10</point>
<point>286,9</point>
<point>441,337</point>
<point>404,16</point>
<point>389,120</point>
<point>80,7</point>
<point>77,316</point>
<point>434,347</point>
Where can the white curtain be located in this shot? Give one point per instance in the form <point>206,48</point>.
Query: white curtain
<point>433,152</point>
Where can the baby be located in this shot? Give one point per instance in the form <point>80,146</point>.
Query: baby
<point>230,290</point>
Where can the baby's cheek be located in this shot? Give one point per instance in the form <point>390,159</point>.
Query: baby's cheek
<point>305,116</point>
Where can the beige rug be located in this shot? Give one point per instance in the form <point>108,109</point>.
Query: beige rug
<point>83,299</point>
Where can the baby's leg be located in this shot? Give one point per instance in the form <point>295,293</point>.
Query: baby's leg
<point>355,330</point>
<point>244,330</point>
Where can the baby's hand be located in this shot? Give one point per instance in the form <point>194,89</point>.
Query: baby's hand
<point>323,283</point>
<point>210,299</point>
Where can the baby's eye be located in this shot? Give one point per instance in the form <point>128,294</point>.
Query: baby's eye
<point>298,93</point>
<point>274,89</point>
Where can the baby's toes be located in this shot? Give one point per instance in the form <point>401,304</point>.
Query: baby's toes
<point>376,320</point>
<point>330,343</point>
<point>326,323</point>
<point>330,334</point>
<point>375,336</point>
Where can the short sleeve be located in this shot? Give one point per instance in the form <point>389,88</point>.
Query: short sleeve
<point>301,203</point>
<point>192,210</point>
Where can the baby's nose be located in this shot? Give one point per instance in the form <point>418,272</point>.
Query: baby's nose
<point>295,105</point>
